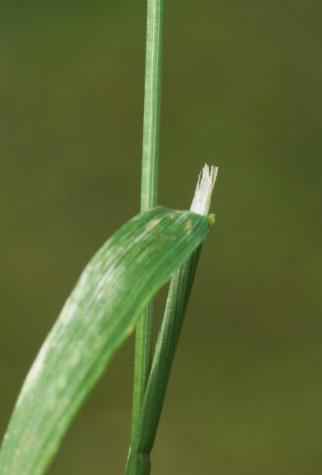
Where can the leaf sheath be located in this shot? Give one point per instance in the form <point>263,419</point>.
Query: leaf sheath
<point>179,291</point>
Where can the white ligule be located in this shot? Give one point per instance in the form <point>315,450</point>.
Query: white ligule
<point>206,182</point>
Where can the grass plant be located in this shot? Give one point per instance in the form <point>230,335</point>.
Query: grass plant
<point>109,301</point>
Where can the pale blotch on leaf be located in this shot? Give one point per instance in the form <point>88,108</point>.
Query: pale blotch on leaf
<point>153,224</point>
<point>188,226</point>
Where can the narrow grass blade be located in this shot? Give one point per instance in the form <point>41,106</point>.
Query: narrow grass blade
<point>100,313</point>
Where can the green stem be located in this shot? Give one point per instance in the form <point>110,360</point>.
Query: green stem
<point>152,105</point>
<point>178,296</point>
<point>149,186</point>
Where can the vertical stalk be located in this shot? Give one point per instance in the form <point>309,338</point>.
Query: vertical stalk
<point>149,186</point>
<point>152,105</point>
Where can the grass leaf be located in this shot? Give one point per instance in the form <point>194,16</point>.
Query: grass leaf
<point>101,312</point>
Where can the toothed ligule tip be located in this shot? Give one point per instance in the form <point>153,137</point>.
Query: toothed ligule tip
<point>205,186</point>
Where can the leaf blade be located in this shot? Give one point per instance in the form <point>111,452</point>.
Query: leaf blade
<point>98,316</point>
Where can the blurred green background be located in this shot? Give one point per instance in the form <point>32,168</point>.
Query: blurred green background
<point>242,89</point>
